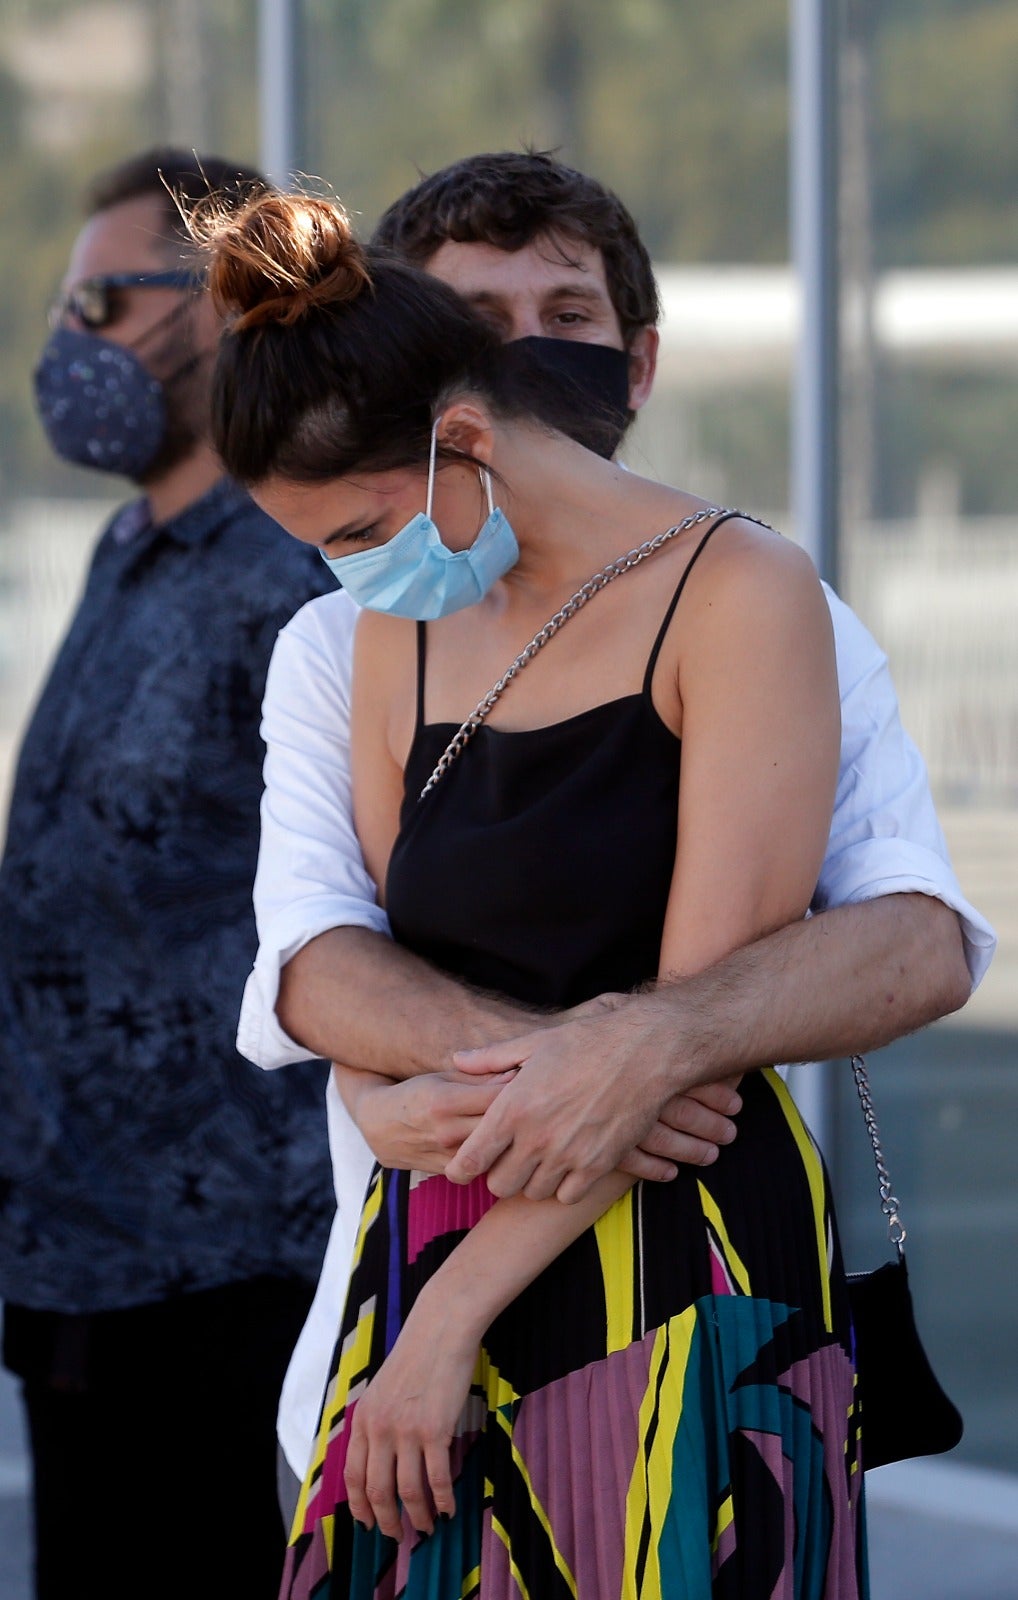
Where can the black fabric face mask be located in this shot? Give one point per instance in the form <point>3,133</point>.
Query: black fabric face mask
<point>598,376</point>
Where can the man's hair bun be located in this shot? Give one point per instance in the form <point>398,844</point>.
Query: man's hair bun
<point>279,257</point>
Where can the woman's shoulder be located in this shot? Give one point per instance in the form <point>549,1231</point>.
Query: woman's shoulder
<point>746,562</point>
<point>721,539</point>
<point>748,594</point>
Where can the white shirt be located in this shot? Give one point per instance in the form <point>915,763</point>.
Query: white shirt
<point>885,839</point>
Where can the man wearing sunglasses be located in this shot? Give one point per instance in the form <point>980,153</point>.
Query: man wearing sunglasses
<point>120,383</point>
<point>165,1204</point>
<point>93,301</point>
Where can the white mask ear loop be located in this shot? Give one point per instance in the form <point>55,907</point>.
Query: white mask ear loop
<point>484,474</point>
<point>431,466</point>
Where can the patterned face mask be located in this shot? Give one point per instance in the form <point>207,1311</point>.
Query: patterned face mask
<point>98,404</point>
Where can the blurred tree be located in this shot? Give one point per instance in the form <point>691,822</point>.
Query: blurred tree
<point>948,157</point>
<point>40,203</point>
<point>681,107</point>
<point>82,84</point>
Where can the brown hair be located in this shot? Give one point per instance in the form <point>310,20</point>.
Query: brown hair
<point>337,358</point>
<point>506,200</point>
<point>280,259</point>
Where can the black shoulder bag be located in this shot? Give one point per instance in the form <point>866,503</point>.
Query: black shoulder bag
<point>904,1410</point>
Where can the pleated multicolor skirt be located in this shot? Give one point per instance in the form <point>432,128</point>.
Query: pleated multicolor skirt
<point>668,1412</point>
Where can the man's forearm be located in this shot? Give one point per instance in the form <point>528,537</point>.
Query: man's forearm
<point>587,1091</point>
<point>849,980</point>
<point>352,995</point>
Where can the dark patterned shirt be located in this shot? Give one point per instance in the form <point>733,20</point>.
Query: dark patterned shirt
<point>140,1155</point>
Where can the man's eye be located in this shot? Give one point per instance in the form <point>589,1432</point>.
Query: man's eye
<point>571,319</point>
<point>361,535</point>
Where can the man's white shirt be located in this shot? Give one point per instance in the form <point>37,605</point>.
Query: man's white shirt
<point>885,839</point>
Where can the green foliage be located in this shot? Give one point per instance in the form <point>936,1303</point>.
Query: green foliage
<point>947,157</point>
<point>37,198</point>
<point>681,108</point>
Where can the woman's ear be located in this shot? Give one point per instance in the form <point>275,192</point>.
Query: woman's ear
<point>465,426</point>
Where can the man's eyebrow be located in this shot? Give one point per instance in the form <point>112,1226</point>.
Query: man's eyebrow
<point>576,291</point>
<point>556,291</point>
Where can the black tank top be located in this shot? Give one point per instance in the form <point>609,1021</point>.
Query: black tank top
<point>540,864</point>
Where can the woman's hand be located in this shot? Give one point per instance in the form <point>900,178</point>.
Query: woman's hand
<point>418,1124</point>
<point>690,1130</point>
<point>404,1423</point>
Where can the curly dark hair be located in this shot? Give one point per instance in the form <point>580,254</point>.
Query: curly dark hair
<point>507,199</point>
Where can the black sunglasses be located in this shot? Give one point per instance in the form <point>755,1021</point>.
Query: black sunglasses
<point>91,301</point>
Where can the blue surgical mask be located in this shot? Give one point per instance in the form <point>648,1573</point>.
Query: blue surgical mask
<point>99,405</point>
<point>415,575</point>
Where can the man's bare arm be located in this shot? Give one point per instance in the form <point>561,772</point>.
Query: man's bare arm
<point>851,979</point>
<point>352,995</point>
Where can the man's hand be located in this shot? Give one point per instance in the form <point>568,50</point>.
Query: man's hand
<point>420,1123</point>
<point>691,1127</point>
<point>586,1098</point>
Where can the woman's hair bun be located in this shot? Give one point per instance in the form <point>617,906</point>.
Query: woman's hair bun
<point>278,257</point>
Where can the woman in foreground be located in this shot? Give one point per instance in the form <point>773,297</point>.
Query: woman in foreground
<point>648,1393</point>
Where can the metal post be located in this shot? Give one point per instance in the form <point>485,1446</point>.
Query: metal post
<point>814,229</point>
<point>277,84</point>
<point>814,244</point>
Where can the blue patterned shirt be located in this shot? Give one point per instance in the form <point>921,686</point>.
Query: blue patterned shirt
<point>140,1155</point>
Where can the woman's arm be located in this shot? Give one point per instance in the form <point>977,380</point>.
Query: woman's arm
<point>757,695</point>
<point>405,1420</point>
<point>416,1125</point>
<point>760,723</point>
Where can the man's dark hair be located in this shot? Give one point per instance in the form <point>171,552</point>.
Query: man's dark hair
<point>168,175</point>
<point>506,200</point>
<point>176,180</point>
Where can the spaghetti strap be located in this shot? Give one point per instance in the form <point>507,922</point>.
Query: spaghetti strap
<point>725,516</point>
<point>422,656</point>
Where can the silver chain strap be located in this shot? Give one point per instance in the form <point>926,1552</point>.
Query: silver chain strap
<point>576,602</point>
<point>889,1202</point>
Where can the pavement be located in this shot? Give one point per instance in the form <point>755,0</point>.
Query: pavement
<point>937,1530</point>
